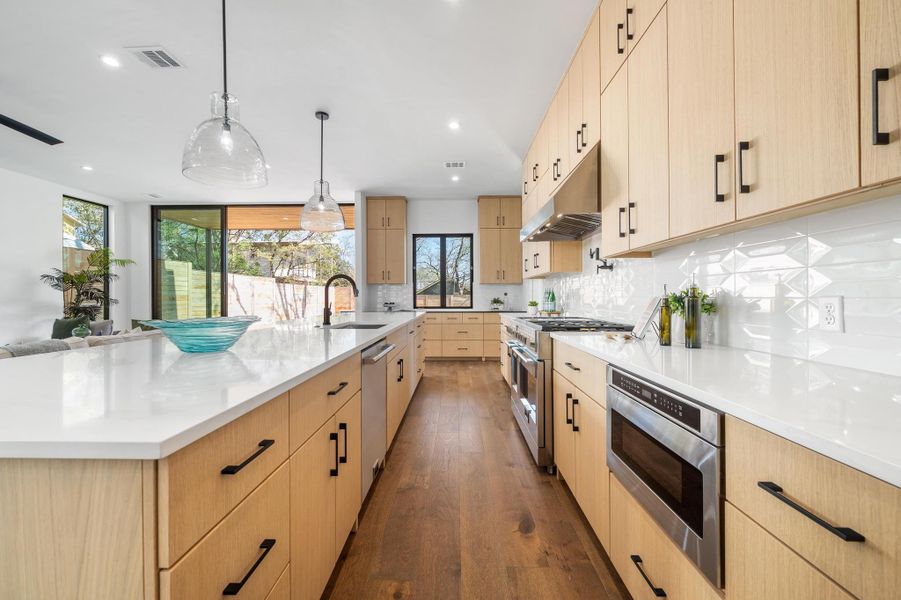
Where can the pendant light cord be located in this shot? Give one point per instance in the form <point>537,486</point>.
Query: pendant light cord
<point>321,150</point>
<point>224,65</point>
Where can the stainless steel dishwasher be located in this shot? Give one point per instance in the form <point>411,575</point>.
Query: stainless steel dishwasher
<point>374,417</point>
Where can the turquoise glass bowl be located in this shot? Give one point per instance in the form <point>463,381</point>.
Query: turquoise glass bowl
<point>204,335</point>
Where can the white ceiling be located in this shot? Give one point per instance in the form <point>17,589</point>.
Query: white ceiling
<point>392,73</point>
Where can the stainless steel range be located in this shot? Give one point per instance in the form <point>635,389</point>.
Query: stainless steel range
<point>531,374</point>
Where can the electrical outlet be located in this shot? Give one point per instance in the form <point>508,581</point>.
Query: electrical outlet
<point>832,313</point>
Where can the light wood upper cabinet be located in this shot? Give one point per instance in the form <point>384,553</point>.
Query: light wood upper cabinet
<point>611,18</point>
<point>563,140</point>
<point>701,117</point>
<point>614,164</point>
<point>590,53</point>
<point>396,256</point>
<point>375,255</point>
<point>386,212</point>
<point>490,256</point>
<point>386,245</point>
<point>575,147</point>
<point>880,70</point>
<point>496,212</point>
<point>639,16</point>
<point>511,212</point>
<point>545,258</point>
<point>796,101</point>
<point>647,213</point>
<point>511,256</point>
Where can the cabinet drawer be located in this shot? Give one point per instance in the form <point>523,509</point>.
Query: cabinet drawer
<point>491,349</point>
<point>314,401</point>
<point>234,546</point>
<point>473,318</point>
<point>433,318</point>
<point>759,566</point>
<point>587,372</point>
<point>492,317</point>
<point>461,332</point>
<point>462,349</point>
<point>634,534</point>
<point>194,494</point>
<point>451,317</point>
<point>432,348</point>
<point>282,588</point>
<point>491,332</point>
<point>399,338</point>
<point>433,331</point>
<point>837,494</point>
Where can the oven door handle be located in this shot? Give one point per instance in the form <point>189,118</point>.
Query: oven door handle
<point>529,363</point>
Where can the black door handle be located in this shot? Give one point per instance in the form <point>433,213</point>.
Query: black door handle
<point>717,196</point>
<point>569,420</point>
<point>658,592</point>
<point>338,389</point>
<point>879,138</point>
<point>584,125</point>
<point>622,211</point>
<point>742,187</point>
<point>619,46</point>
<point>233,469</point>
<point>536,260</point>
<point>525,188</point>
<point>234,588</point>
<point>845,533</point>
<point>578,143</point>
<point>575,402</point>
<point>333,437</point>
<point>631,229</point>
<point>343,427</point>
<point>400,373</point>
<point>571,366</point>
<point>629,12</point>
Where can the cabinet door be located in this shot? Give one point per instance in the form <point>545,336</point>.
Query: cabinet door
<point>489,213</point>
<point>574,123</point>
<point>612,15</point>
<point>526,182</point>
<point>639,16</point>
<point>526,257</point>
<point>648,210</point>
<point>490,256</point>
<point>409,374</point>
<point>591,84</point>
<point>349,484</point>
<point>511,256</point>
<point>796,101</point>
<point>564,440</point>
<point>701,117</point>
<point>541,258</point>
<point>511,212</point>
<point>375,255</point>
<point>880,48</point>
<point>593,489</point>
<point>397,388</point>
<point>395,213</point>
<point>614,164</point>
<point>395,256</point>
<point>563,142</point>
<point>375,213</point>
<point>313,489</point>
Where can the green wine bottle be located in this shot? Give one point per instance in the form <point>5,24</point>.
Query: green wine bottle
<point>693,317</point>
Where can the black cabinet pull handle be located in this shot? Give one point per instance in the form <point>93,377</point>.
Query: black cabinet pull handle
<point>569,420</point>
<point>525,188</point>
<point>400,375</point>
<point>343,427</point>
<point>629,35</point>
<point>535,172</point>
<point>575,402</point>
<point>742,187</point>
<point>717,196</point>
<point>233,469</point>
<point>525,265</point>
<point>879,138</point>
<point>536,260</point>
<point>631,229</point>
<point>338,389</point>
<point>622,211</point>
<point>571,366</point>
<point>845,533</point>
<point>584,125</point>
<point>658,592</point>
<point>578,143</point>
<point>554,170</point>
<point>234,588</point>
<point>333,437</point>
<point>619,46</point>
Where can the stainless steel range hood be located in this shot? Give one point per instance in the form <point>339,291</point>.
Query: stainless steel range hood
<point>574,211</point>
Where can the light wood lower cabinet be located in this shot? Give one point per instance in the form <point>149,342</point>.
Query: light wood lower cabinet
<point>282,588</point>
<point>317,399</point>
<point>350,470</point>
<point>585,371</point>
<point>462,335</point>
<point>398,390</point>
<point>880,71</point>
<point>760,566</point>
<point>462,349</point>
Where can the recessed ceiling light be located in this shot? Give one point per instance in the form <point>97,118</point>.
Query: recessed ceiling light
<point>455,125</point>
<point>87,168</point>
<point>455,178</point>
<point>110,61</point>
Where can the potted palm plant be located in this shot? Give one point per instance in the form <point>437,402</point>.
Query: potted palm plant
<point>86,291</point>
<point>497,304</point>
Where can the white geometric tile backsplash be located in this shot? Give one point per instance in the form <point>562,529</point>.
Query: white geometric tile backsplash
<point>767,281</point>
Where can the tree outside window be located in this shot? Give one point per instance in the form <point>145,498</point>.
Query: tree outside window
<point>442,272</point>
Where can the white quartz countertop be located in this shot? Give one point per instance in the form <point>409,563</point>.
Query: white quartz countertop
<point>849,415</point>
<point>146,399</point>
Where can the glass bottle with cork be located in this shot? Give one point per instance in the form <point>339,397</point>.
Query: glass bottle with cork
<point>693,316</point>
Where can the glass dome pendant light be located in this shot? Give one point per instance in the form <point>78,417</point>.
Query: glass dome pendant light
<point>321,212</point>
<point>221,151</point>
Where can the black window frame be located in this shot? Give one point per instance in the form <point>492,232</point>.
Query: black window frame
<point>106,227</point>
<point>443,267</point>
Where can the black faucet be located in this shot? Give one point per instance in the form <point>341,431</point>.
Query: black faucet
<point>327,311</point>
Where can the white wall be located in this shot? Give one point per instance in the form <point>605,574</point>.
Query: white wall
<point>443,216</point>
<point>31,243</point>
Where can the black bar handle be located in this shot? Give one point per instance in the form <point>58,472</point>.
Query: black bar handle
<point>333,437</point>
<point>575,402</point>
<point>573,367</point>
<point>742,187</point>
<point>619,46</point>
<point>845,533</point>
<point>658,592</point>
<point>622,211</point>
<point>879,138</point>
<point>578,142</point>
<point>584,125</point>
<point>338,389</point>
<point>569,420</point>
<point>629,12</point>
<point>343,427</point>
<point>234,588</point>
<point>525,188</point>
<point>631,229</point>
<point>717,196</point>
<point>400,364</point>
<point>233,469</point>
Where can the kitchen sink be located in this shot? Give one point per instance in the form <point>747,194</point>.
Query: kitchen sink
<point>353,325</point>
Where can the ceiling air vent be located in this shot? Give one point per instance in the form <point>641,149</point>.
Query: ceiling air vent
<point>455,164</point>
<point>155,57</point>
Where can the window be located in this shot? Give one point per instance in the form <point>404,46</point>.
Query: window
<point>442,271</point>
<point>85,229</point>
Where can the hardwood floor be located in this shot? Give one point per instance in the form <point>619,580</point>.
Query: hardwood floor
<point>461,510</point>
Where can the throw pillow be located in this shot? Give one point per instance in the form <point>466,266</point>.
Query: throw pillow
<point>102,327</point>
<point>62,328</point>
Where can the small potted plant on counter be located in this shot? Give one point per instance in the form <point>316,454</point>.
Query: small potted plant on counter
<point>677,301</point>
<point>533,308</point>
<point>497,304</point>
